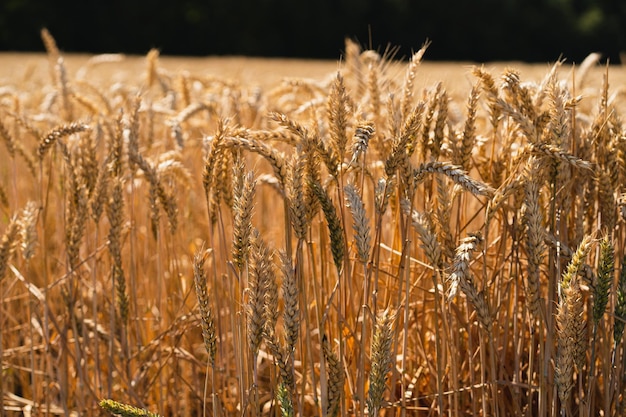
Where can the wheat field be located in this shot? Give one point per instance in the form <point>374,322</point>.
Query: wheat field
<point>256,237</point>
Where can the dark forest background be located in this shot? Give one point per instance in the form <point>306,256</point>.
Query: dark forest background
<point>474,30</point>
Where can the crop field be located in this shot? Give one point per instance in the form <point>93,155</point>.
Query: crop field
<point>267,237</point>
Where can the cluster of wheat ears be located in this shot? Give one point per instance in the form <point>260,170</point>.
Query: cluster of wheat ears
<point>357,245</point>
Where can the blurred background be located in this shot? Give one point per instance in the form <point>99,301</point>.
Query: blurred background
<point>468,30</point>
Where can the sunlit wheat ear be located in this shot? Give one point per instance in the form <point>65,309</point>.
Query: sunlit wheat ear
<point>50,44</point>
<point>291,313</point>
<point>124,410</point>
<point>275,158</point>
<point>403,146</point>
<point>373,63</point>
<point>353,63</point>
<point>571,336</point>
<point>463,151</point>
<point>57,133</point>
<point>442,218</point>
<point>64,90</point>
<point>489,87</point>
<point>338,116</point>
<point>456,174</point>
<point>426,231</point>
<point>76,214</point>
<point>335,379</point>
<point>382,194</point>
<point>606,271</point>
<point>337,242</point>
<point>462,278</point>
<point>360,141</point>
<point>440,124</point>
<point>152,60</point>
<point>8,245</point>
<point>28,229</point>
<point>409,78</point>
<point>569,319</point>
<point>88,160</point>
<point>382,361</point>
<point>206,314</point>
<point>243,209</point>
<point>115,214</point>
<point>296,194</point>
<point>517,94</point>
<point>534,240</point>
<point>620,306</point>
<point>259,275</point>
<point>360,222</point>
<point>429,115</point>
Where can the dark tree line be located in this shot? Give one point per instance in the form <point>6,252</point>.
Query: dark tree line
<point>478,30</point>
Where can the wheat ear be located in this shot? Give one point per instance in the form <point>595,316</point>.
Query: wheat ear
<point>335,379</point>
<point>28,229</point>
<point>206,314</point>
<point>7,245</point>
<point>620,307</point>
<point>57,133</point>
<point>462,277</point>
<point>125,410</point>
<point>337,242</point>
<point>534,240</point>
<point>360,223</point>
<point>571,327</point>
<point>115,214</point>
<point>243,207</point>
<point>382,361</point>
<point>456,173</point>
